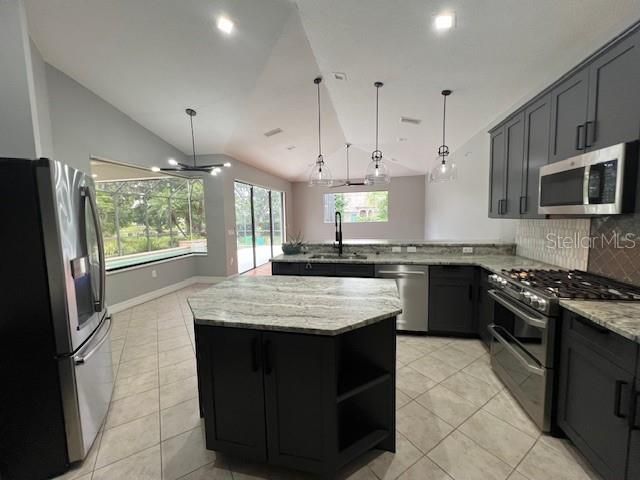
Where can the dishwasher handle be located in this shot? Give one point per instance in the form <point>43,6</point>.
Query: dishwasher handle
<point>394,274</point>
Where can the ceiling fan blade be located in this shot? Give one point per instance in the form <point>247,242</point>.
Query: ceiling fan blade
<point>213,165</point>
<point>355,183</point>
<point>340,185</point>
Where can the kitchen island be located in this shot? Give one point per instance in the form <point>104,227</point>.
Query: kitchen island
<point>297,371</point>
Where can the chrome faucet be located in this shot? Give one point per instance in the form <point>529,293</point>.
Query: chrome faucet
<point>338,223</point>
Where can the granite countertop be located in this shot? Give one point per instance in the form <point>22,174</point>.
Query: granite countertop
<point>312,305</point>
<point>622,318</point>
<point>494,263</point>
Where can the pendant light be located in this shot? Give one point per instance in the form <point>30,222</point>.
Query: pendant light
<point>176,166</point>
<point>377,171</point>
<point>320,175</point>
<point>347,182</point>
<point>443,171</point>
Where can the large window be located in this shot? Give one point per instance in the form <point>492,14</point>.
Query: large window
<point>259,224</point>
<point>357,207</point>
<point>148,216</point>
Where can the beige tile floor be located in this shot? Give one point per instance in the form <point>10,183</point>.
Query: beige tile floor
<point>455,420</point>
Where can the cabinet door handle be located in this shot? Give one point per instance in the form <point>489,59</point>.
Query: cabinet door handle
<point>588,143</point>
<point>579,131</point>
<point>267,357</point>
<point>523,199</point>
<point>633,418</point>
<point>255,354</point>
<point>618,399</point>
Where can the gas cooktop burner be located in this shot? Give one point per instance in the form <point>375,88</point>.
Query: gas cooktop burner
<point>574,284</point>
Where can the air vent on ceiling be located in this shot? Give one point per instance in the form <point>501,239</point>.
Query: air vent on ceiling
<point>412,121</point>
<point>339,75</point>
<point>273,132</point>
<point>291,147</point>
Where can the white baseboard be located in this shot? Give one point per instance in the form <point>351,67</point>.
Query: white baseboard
<point>147,297</point>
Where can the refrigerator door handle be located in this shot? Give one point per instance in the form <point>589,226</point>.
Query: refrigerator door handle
<point>82,357</point>
<point>85,191</point>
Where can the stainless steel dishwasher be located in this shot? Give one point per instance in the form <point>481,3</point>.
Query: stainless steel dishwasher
<point>413,286</point>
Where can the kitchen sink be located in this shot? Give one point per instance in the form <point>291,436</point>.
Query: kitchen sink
<point>335,256</point>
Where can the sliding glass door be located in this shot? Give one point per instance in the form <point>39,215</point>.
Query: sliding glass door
<point>259,225</point>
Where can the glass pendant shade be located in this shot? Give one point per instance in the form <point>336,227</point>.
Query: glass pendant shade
<point>377,173</point>
<point>443,171</point>
<point>320,175</point>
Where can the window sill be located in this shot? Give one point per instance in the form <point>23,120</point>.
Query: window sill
<point>138,266</point>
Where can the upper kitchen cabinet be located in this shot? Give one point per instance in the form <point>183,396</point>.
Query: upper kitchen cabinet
<point>537,118</point>
<point>599,105</point>
<point>507,168</point>
<point>569,102</point>
<point>614,96</point>
<point>514,138</point>
<point>498,173</point>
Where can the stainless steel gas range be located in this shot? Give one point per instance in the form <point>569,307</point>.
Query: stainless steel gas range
<point>525,328</point>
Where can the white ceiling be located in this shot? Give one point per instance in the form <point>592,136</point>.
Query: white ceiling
<point>153,58</point>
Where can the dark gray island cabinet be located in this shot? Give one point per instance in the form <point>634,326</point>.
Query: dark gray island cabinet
<point>297,372</point>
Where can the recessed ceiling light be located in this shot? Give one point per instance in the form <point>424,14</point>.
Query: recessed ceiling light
<point>412,121</point>
<point>155,169</point>
<point>273,132</point>
<point>339,75</point>
<point>291,147</point>
<point>172,161</point>
<point>443,21</point>
<point>402,139</point>
<point>94,175</point>
<point>225,25</point>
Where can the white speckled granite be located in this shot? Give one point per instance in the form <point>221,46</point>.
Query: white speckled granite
<point>622,318</point>
<point>312,305</point>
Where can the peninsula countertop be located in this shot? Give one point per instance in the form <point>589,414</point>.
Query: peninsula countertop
<point>312,305</point>
<point>622,318</point>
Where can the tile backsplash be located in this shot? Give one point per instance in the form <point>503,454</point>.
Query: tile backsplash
<point>561,242</point>
<point>615,248</point>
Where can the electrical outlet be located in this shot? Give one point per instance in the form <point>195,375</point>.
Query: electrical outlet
<point>411,250</point>
<point>154,274</point>
<point>467,249</point>
<point>396,249</point>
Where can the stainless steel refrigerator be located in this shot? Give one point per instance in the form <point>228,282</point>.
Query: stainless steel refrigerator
<point>56,375</point>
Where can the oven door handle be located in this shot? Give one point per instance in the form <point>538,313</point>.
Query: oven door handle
<point>536,370</point>
<point>514,308</point>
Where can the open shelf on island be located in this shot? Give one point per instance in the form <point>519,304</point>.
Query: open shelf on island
<point>358,376</point>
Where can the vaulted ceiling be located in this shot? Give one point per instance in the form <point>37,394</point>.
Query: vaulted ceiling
<point>153,58</point>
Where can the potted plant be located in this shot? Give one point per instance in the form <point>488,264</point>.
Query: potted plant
<point>294,245</point>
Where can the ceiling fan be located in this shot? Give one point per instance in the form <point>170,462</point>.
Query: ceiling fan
<point>347,182</point>
<point>212,169</point>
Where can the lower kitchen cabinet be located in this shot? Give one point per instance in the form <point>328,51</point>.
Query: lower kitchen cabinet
<point>303,401</point>
<point>484,308</point>
<point>595,392</point>
<point>364,270</point>
<point>634,422</point>
<point>452,300</point>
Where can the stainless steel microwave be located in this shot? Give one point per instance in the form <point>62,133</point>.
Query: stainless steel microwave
<point>601,182</point>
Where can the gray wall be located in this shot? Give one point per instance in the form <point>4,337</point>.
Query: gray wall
<point>222,195</point>
<point>19,120</point>
<point>406,212</point>
<point>131,283</point>
<point>458,210</point>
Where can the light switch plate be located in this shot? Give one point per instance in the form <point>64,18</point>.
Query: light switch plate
<point>467,249</point>
<point>411,249</point>
<point>396,249</point>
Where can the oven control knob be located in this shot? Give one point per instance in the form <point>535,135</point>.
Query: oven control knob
<point>527,297</point>
<point>542,303</point>
<point>534,301</point>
